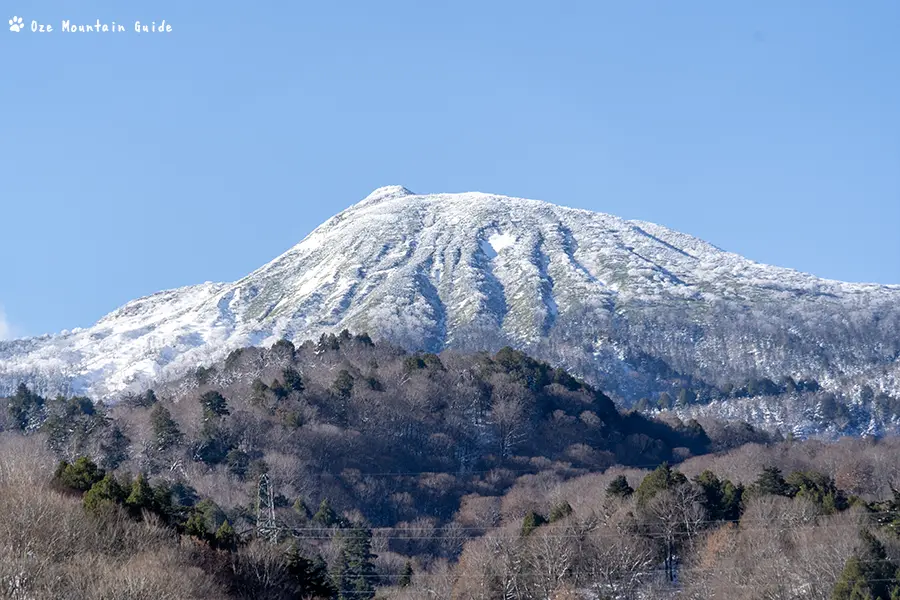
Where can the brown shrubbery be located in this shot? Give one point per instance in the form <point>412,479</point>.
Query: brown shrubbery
<point>50,547</point>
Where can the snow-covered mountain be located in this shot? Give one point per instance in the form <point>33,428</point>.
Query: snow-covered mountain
<point>616,301</point>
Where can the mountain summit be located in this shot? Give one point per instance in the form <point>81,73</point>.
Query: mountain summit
<point>620,302</point>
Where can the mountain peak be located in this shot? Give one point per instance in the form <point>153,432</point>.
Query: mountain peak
<point>624,302</point>
<point>386,192</point>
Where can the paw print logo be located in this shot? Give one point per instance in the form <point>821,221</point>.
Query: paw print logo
<point>16,24</point>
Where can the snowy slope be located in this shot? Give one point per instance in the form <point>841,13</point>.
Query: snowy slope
<point>606,297</point>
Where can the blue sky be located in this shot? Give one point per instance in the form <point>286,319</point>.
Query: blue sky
<point>133,163</point>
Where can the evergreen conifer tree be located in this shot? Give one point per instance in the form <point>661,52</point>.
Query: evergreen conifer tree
<point>355,570</point>
<point>868,574</point>
<point>771,482</point>
<point>619,488</point>
<point>343,384</point>
<point>225,537</point>
<point>104,493</point>
<point>406,575</point>
<point>165,430</point>
<point>141,495</point>
<point>662,478</point>
<point>531,522</point>
<point>80,475</point>
<point>114,447</point>
<point>560,511</point>
<point>310,576</point>
<point>325,516</point>
<point>686,397</point>
<point>214,404</point>
<point>238,463</point>
<point>292,379</point>
<point>26,408</point>
<point>284,348</point>
<point>196,526</point>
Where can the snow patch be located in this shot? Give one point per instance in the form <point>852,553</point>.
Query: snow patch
<point>312,242</point>
<point>499,241</point>
<point>496,243</point>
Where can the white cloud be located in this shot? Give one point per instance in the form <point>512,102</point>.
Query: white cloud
<point>5,327</point>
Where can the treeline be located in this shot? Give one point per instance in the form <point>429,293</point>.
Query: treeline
<point>335,469</point>
<point>799,404</point>
<point>667,534</point>
<point>76,531</point>
<point>690,391</point>
<point>397,436</point>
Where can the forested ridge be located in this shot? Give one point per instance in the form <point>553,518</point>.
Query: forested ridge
<point>345,469</point>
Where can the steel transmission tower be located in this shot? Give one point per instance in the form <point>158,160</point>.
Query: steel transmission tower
<point>266,527</point>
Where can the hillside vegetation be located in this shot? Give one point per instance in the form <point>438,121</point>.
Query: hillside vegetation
<point>345,469</point>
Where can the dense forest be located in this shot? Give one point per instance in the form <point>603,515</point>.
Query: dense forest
<point>344,469</point>
<point>788,406</point>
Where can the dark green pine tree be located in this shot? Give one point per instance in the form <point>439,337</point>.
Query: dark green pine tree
<point>531,522</point>
<point>853,584</point>
<point>141,496</point>
<point>237,462</point>
<point>771,482</point>
<point>343,384</point>
<point>560,512</point>
<point>214,404</point>
<point>325,516</point>
<point>114,448</point>
<point>355,570</point>
<point>80,475</point>
<point>732,498</point>
<point>327,342</point>
<point>225,537</point>
<point>169,501</point>
<point>686,397</point>
<point>662,478</point>
<point>819,488</point>
<point>104,493</point>
<point>310,576</point>
<point>284,349</point>
<point>301,509</point>
<point>196,525</point>
<point>214,441</point>
<point>722,499</point>
<point>619,488</point>
<point>26,408</point>
<point>259,390</point>
<point>205,520</point>
<point>868,574</point>
<point>406,576</point>
<point>165,430</point>
<point>292,379</point>
<point>148,399</point>
<point>340,575</point>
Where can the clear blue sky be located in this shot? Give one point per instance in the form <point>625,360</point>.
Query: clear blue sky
<point>133,163</point>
